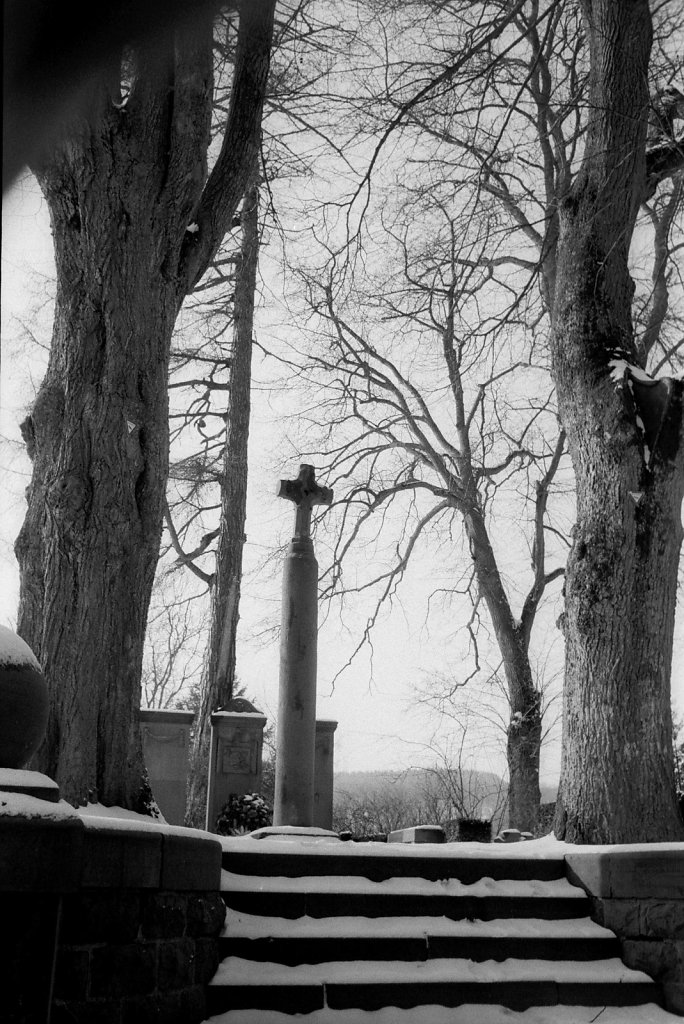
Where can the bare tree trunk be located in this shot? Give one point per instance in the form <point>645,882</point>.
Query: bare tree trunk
<point>122,191</point>
<point>219,669</point>
<point>523,742</point>
<point>625,438</point>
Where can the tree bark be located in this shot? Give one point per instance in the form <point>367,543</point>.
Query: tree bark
<point>219,669</point>
<point>121,192</point>
<point>625,439</point>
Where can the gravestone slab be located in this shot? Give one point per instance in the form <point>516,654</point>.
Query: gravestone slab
<point>235,758</point>
<point>165,739</point>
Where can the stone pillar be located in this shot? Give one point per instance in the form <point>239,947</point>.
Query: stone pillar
<point>295,734</point>
<point>323,773</point>
<point>166,740</point>
<point>237,739</point>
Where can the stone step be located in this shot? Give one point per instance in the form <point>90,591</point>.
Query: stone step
<point>378,862</point>
<point>477,948</point>
<point>485,899</point>
<point>483,908</point>
<point>404,938</point>
<point>363,929</point>
<point>516,984</point>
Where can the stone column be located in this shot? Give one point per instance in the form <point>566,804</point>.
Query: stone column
<point>235,754</point>
<point>295,734</point>
<point>323,773</point>
<point>166,740</point>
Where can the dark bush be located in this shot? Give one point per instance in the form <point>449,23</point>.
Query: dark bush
<point>474,830</point>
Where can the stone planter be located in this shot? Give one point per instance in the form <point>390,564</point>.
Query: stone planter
<point>23,701</point>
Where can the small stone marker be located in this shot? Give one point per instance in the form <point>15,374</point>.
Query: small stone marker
<point>418,834</point>
<point>295,736</point>
<point>513,835</point>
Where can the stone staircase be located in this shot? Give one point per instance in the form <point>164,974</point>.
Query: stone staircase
<point>349,927</point>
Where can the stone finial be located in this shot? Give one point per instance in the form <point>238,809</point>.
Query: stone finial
<point>305,493</point>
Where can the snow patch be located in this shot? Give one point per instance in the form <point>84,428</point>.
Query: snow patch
<point>192,229</point>
<point>24,806</point>
<point>305,833</point>
<point>97,816</point>
<point>620,367</point>
<point>117,813</point>
<point>15,651</point>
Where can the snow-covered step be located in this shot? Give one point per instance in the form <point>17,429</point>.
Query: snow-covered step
<point>253,926</point>
<point>401,886</point>
<point>514,983</point>
<point>310,940</point>
<point>369,935</point>
<point>469,1013</point>
<point>377,861</point>
<point>485,899</point>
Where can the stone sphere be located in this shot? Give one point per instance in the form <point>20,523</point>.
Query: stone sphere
<point>23,701</point>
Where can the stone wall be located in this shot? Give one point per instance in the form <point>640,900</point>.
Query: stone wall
<point>127,956</point>
<point>639,894</point>
<point>123,918</point>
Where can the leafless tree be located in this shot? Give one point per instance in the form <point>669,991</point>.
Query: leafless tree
<point>525,125</point>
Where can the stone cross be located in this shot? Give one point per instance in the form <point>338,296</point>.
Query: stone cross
<point>305,493</point>
<point>296,731</point>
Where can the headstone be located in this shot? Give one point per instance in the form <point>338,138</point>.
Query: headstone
<point>324,764</point>
<point>235,755</point>
<point>418,834</point>
<point>295,735</point>
<point>166,742</point>
<point>513,835</point>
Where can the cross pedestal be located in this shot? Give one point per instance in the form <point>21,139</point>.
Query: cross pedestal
<point>296,731</point>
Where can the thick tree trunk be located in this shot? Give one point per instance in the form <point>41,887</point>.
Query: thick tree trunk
<point>122,191</point>
<point>98,438</point>
<point>219,668</point>
<point>625,439</point>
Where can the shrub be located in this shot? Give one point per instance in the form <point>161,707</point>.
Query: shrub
<point>474,830</point>
<point>243,813</point>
